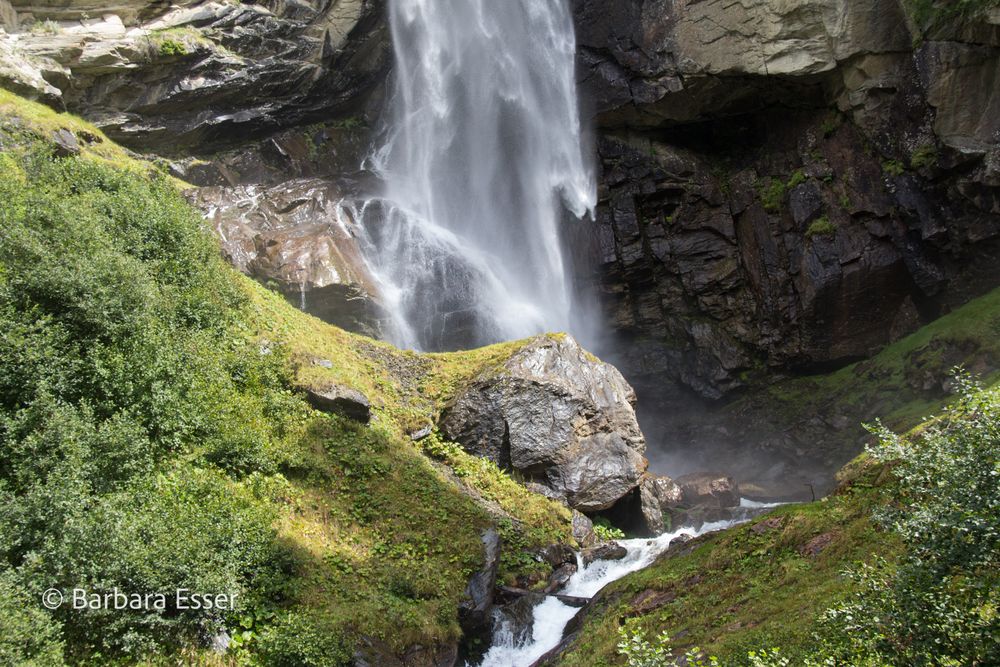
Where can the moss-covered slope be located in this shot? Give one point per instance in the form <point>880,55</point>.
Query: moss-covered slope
<point>154,436</point>
<point>759,585</point>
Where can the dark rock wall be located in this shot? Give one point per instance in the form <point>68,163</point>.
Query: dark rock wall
<point>784,193</point>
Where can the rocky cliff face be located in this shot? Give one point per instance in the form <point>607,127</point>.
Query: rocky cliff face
<point>194,76</point>
<point>787,187</point>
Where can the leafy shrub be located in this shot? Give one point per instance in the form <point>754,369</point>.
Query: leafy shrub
<point>299,640</point>
<point>131,407</point>
<point>30,638</point>
<point>607,532</point>
<point>939,604</point>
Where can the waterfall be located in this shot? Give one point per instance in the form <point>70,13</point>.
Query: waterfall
<point>482,167</point>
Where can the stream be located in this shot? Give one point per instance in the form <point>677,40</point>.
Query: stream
<point>551,616</point>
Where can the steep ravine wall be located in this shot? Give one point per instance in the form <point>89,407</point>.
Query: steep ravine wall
<point>787,187</point>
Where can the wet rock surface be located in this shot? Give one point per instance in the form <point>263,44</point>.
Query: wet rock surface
<point>605,551</point>
<point>295,238</point>
<point>558,417</point>
<point>191,75</point>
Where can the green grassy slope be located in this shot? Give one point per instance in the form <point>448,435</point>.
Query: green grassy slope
<point>153,436</point>
<point>759,585</point>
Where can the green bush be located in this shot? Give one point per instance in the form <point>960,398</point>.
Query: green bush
<point>607,532</point>
<point>939,605</point>
<point>132,406</point>
<point>300,640</point>
<point>29,637</point>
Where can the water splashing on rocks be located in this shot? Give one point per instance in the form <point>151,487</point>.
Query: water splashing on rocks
<point>482,164</point>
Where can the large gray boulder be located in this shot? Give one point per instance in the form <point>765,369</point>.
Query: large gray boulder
<point>558,417</point>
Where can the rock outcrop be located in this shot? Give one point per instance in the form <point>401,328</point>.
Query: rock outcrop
<point>297,238</point>
<point>340,400</point>
<point>558,417</point>
<point>193,75</point>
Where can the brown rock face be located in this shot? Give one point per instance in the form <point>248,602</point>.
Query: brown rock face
<point>295,238</point>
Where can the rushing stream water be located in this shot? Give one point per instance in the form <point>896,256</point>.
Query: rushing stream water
<point>551,616</point>
<point>482,163</point>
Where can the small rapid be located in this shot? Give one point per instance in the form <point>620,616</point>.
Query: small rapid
<point>551,616</point>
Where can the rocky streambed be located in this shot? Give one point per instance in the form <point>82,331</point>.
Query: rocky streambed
<point>531,626</point>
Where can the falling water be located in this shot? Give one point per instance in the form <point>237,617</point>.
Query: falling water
<point>482,164</point>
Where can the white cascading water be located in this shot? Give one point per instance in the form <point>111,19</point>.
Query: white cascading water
<point>482,163</point>
<point>551,616</point>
